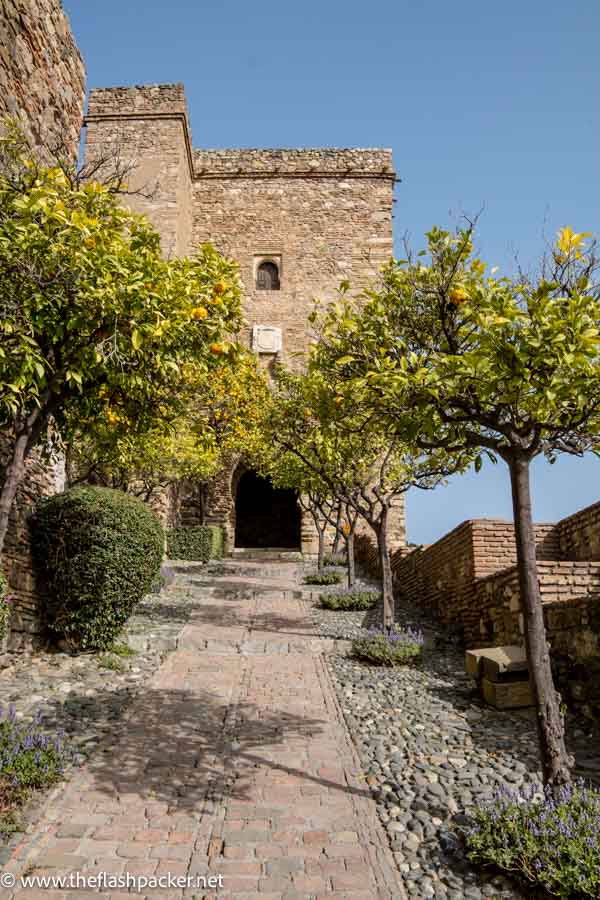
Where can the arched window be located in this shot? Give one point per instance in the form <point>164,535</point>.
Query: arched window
<point>267,277</point>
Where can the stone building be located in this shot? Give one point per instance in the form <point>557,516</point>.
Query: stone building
<point>42,84</point>
<point>297,222</point>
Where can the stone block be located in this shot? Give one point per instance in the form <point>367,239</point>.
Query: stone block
<point>495,662</point>
<point>507,694</point>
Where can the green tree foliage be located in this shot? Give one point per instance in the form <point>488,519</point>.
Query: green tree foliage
<point>450,358</point>
<point>333,448</point>
<point>90,310</point>
<point>219,416</point>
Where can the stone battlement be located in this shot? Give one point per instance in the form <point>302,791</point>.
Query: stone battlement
<point>353,162</point>
<point>138,100</point>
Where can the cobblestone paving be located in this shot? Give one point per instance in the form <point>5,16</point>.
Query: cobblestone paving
<point>430,749</point>
<point>233,760</point>
<point>85,695</point>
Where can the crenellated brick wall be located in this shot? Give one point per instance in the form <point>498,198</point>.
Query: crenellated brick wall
<point>441,575</point>
<point>469,579</point>
<point>579,534</point>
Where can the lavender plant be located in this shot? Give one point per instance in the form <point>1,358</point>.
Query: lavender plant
<point>389,647</point>
<point>350,599</point>
<point>550,839</point>
<point>29,759</point>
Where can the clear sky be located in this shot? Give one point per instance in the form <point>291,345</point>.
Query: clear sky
<point>487,106</point>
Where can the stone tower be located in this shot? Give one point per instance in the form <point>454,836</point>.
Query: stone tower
<point>297,221</point>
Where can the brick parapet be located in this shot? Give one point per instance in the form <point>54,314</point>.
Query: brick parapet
<point>579,534</point>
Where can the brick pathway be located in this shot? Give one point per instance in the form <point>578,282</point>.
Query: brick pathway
<point>236,763</point>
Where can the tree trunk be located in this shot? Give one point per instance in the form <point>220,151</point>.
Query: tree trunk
<point>321,532</point>
<point>321,556</point>
<point>386,571</point>
<point>12,479</point>
<point>556,763</point>
<point>350,561</point>
<point>338,531</point>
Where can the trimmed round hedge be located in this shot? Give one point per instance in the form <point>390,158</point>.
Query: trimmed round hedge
<point>196,543</point>
<point>98,551</point>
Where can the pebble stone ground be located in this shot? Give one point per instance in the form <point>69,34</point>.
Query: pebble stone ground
<point>233,760</point>
<point>260,750</point>
<point>430,749</point>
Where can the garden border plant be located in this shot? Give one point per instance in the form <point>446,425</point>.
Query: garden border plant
<point>323,578</point>
<point>30,760</point>
<point>195,543</point>
<point>4,608</point>
<point>548,839</point>
<point>389,647</point>
<point>350,600</point>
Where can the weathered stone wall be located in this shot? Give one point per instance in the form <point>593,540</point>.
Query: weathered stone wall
<point>146,128</point>
<point>42,75</point>
<point>571,597</point>
<point>41,479</point>
<point>322,215</point>
<point>42,82</point>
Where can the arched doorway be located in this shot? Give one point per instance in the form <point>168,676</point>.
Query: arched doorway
<point>265,516</point>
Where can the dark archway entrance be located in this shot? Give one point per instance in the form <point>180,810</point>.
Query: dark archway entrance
<point>265,516</point>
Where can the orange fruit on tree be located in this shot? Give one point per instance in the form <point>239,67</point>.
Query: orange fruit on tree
<point>216,349</point>
<point>219,287</point>
<point>199,312</point>
<point>458,295</point>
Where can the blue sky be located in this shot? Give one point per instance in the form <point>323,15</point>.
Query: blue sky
<point>491,107</point>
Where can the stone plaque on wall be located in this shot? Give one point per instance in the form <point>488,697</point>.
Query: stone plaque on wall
<point>266,339</point>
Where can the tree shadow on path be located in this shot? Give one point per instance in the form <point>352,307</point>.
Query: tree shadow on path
<point>184,747</point>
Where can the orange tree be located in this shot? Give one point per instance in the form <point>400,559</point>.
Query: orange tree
<point>334,451</point>
<point>219,413</point>
<point>89,309</point>
<point>450,358</point>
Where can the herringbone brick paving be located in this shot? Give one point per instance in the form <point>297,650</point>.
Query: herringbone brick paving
<point>235,762</point>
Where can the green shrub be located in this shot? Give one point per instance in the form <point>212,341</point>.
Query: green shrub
<point>323,578</point>
<point>393,648</point>
<point>98,551</point>
<point>121,649</point>
<point>197,543</point>
<point>4,607</point>
<point>334,559</point>
<point>350,600</point>
<point>108,661</point>
<point>551,841</point>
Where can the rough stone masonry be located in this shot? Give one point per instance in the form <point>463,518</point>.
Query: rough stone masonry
<point>315,216</point>
<point>42,85</point>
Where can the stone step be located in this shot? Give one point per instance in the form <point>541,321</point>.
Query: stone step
<point>267,553</point>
